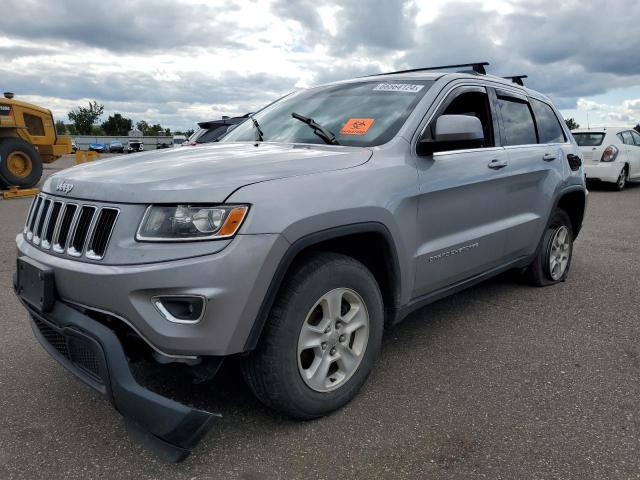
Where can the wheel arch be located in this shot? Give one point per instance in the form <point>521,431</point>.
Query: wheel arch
<point>368,242</point>
<point>574,202</point>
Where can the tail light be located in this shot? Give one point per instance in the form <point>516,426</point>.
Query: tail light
<point>610,154</point>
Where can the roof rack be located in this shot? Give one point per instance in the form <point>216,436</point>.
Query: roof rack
<point>517,79</point>
<point>477,67</point>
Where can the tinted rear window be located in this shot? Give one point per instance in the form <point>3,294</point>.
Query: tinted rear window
<point>589,139</point>
<point>549,129</point>
<point>518,122</point>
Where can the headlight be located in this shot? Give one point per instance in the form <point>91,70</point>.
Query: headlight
<point>162,223</point>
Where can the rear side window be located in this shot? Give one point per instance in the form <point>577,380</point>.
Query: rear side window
<point>636,137</point>
<point>518,123</point>
<point>33,124</point>
<point>589,139</point>
<point>626,138</point>
<point>549,129</point>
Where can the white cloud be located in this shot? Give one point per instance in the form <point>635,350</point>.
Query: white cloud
<point>178,62</point>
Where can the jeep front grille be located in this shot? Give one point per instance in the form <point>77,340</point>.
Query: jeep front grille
<point>70,228</point>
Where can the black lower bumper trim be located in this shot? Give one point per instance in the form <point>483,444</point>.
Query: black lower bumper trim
<point>93,353</point>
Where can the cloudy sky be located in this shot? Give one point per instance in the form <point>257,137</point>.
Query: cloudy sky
<point>176,62</point>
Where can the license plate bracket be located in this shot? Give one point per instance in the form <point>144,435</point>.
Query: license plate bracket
<point>36,284</point>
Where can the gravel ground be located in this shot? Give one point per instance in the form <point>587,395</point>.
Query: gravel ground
<point>502,381</point>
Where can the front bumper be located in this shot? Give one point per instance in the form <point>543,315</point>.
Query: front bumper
<point>603,171</point>
<point>94,354</point>
<point>234,282</point>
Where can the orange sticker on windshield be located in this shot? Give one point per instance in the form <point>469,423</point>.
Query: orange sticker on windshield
<point>356,126</point>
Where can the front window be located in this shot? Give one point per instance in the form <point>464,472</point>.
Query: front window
<point>361,114</point>
<point>589,139</point>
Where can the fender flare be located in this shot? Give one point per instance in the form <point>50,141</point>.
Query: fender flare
<point>307,241</point>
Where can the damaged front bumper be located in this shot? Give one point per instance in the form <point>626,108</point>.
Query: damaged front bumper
<point>94,354</point>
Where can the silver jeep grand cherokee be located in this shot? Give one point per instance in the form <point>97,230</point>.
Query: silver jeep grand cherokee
<point>330,214</point>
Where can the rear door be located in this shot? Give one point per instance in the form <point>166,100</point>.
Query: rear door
<point>535,144</point>
<point>634,170</point>
<point>462,205</point>
<point>631,154</point>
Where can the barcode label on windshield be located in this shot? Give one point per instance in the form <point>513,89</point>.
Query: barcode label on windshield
<point>398,87</point>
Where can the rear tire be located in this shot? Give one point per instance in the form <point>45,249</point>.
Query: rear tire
<point>20,163</point>
<point>553,257</point>
<point>314,354</point>
<point>622,179</point>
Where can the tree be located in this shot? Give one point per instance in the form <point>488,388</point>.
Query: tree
<point>61,128</point>
<point>71,128</point>
<point>97,131</point>
<point>118,125</point>
<point>571,123</point>
<point>84,117</point>
<point>152,130</point>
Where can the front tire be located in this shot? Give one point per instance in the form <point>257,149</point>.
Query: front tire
<point>321,338</point>
<point>553,257</point>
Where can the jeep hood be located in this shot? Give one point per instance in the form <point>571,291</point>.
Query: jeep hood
<point>197,174</point>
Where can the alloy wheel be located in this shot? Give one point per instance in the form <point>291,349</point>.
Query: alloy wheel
<point>560,251</point>
<point>333,340</point>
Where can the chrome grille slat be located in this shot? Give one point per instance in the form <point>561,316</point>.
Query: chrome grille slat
<point>101,234</point>
<point>76,236</point>
<point>70,228</point>
<point>34,217</point>
<point>62,236</point>
<point>42,218</point>
<point>51,224</point>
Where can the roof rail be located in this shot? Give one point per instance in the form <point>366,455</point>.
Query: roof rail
<point>478,67</point>
<point>517,79</point>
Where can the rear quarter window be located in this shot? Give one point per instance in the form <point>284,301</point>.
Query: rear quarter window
<point>549,129</point>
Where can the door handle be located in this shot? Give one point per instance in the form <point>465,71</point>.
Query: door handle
<point>496,164</point>
<point>549,157</point>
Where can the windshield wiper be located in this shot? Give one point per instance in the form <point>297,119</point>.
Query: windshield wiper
<point>318,129</point>
<point>256,125</point>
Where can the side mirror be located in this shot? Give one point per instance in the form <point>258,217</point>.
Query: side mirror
<point>453,132</point>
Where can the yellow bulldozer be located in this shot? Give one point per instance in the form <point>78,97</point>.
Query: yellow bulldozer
<point>28,139</point>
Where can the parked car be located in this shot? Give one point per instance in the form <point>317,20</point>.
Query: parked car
<point>116,146</point>
<point>135,145</point>
<point>179,140</point>
<point>290,245</point>
<point>98,147</point>
<point>610,154</point>
<point>162,145</point>
<point>74,146</point>
<point>213,130</point>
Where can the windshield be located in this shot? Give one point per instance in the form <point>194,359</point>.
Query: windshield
<point>358,114</point>
<point>589,139</point>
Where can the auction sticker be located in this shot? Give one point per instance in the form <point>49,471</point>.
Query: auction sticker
<point>398,87</point>
<point>5,109</point>
<point>356,126</point>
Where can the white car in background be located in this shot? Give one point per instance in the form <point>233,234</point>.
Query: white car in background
<point>610,154</point>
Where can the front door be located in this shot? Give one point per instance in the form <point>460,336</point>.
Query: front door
<point>462,205</point>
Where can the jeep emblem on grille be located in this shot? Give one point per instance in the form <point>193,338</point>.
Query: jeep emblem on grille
<point>64,187</point>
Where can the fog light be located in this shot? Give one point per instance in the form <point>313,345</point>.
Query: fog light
<point>180,308</point>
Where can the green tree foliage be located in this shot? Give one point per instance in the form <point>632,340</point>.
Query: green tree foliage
<point>71,128</point>
<point>152,130</point>
<point>61,128</point>
<point>118,125</point>
<point>97,131</point>
<point>571,123</point>
<point>84,117</point>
